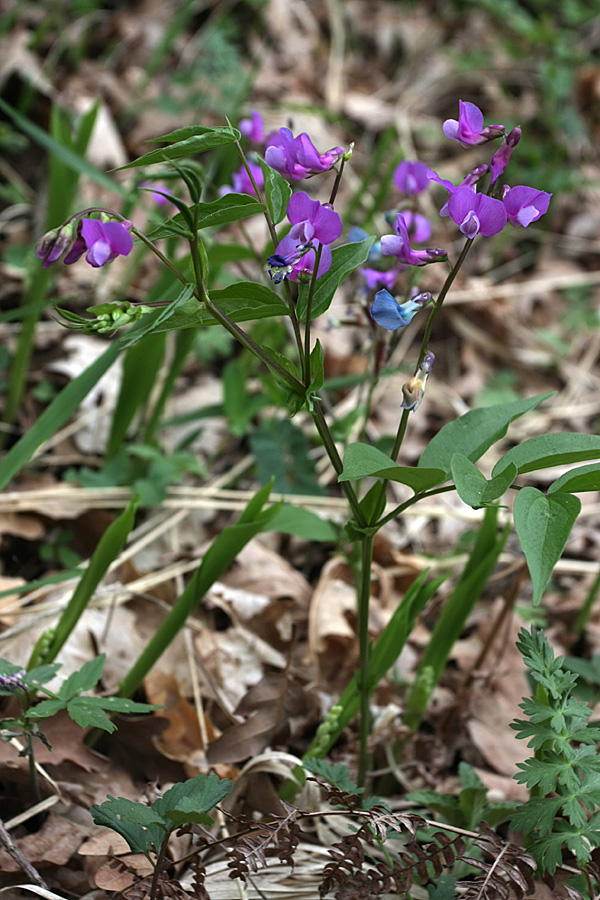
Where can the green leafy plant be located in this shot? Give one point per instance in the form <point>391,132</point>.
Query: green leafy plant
<point>563,775</point>
<point>86,711</point>
<point>147,829</point>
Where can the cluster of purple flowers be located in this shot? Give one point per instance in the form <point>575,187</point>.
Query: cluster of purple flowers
<point>473,211</point>
<point>314,225</point>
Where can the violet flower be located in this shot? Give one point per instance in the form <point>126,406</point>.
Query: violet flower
<point>419,228</point>
<point>104,241</point>
<point>524,205</point>
<point>391,315</point>
<point>253,128</point>
<point>503,154</point>
<point>241,181</point>
<point>410,177</point>
<point>476,213</point>
<point>376,279</point>
<point>298,157</point>
<point>470,181</point>
<point>398,245</point>
<point>313,224</point>
<point>56,243</point>
<point>468,129</point>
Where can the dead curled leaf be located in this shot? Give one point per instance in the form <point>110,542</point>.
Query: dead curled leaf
<point>53,845</point>
<point>267,706</point>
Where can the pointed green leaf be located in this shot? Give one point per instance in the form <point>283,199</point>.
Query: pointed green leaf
<point>243,301</point>
<point>195,140</point>
<point>228,208</point>
<point>543,525</point>
<point>87,712</point>
<point>302,523</point>
<point>190,131</point>
<point>475,432</point>
<point>585,478</point>
<point>86,678</point>
<point>345,259</point>
<point>550,450</point>
<point>277,192</point>
<point>362,460</point>
<point>473,488</point>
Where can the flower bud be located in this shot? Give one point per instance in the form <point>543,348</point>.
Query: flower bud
<point>414,389</point>
<point>56,243</point>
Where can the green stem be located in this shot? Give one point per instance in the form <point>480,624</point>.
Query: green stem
<point>275,239</point>
<point>398,510</point>
<point>336,462</point>
<point>307,324</point>
<point>364,596</point>
<point>33,773</point>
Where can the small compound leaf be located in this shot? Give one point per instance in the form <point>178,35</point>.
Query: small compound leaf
<point>135,822</point>
<point>46,708</point>
<point>543,525</point>
<point>475,432</point>
<point>585,478</point>
<point>87,712</point>
<point>550,450</point>
<point>335,774</point>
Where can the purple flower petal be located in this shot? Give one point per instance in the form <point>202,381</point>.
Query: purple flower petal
<point>525,205</point>
<point>410,176</point>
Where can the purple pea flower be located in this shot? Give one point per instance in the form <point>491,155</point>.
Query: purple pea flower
<point>158,192</point>
<point>524,205</point>
<point>398,245</point>
<point>419,228</point>
<point>476,213</point>
<point>391,315</point>
<point>470,181</point>
<point>313,224</point>
<point>104,241</point>
<point>241,181</point>
<point>298,157</point>
<point>376,279</point>
<point>503,154</point>
<point>410,177</point>
<point>468,130</point>
<point>253,128</point>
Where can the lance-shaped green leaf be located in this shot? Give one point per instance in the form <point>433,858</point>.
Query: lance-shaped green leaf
<point>345,260</point>
<point>188,142</point>
<point>243,301</point>
<point>550,450</point>
<point>475,432</point>
<point>229,208</point>
<point>585,478</point>
<point>160,319</point>
<point>277,192</point>
<point>473,488</point>
<point>362,460</point>
<point>543,525</point>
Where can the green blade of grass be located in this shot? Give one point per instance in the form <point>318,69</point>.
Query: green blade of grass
<point>110,545</point>
<point>56,414</point>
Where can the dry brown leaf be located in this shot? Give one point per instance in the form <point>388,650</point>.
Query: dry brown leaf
<point>53,845</point>
<point>112,877</point>
<point>104,842</point>
<point>239,742</point>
